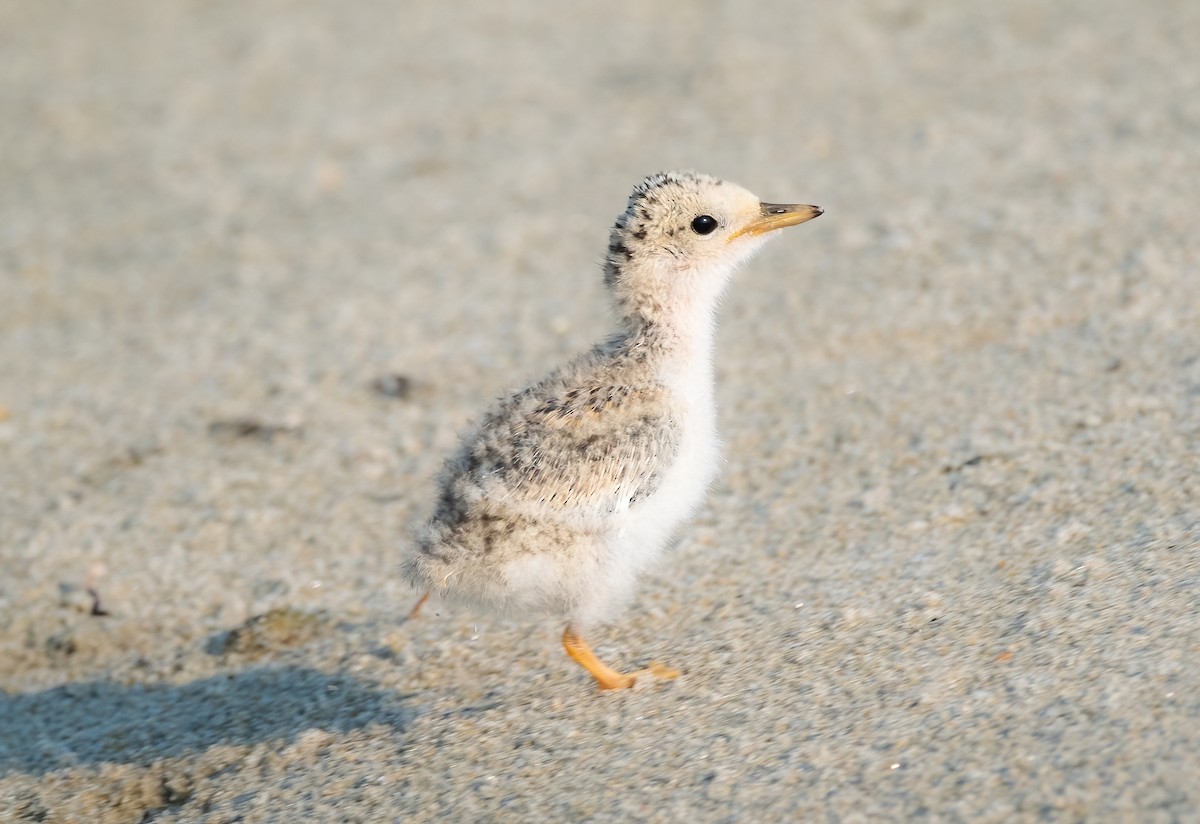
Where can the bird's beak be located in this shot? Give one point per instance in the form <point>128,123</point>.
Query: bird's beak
<point>774,216</point>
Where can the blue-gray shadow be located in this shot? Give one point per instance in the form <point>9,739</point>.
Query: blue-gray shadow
<point>96,722</point>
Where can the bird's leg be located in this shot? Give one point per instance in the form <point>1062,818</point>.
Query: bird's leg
<point>606,677</point>
<point>416,610</point>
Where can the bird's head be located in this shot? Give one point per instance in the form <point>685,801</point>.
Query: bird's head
<point>681,237</point>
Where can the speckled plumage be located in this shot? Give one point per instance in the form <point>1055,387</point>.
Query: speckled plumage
<point>564,491</point>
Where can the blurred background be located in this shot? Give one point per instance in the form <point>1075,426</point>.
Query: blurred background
<point>260,262</point>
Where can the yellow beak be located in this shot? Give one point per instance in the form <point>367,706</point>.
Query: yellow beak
<point>774,216</point>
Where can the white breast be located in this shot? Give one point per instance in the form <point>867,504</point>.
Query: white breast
<point>650,524</point>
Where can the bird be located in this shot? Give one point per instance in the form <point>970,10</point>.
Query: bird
<point>562,493</point>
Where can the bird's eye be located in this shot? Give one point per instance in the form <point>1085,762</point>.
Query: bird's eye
<point>704,224</point>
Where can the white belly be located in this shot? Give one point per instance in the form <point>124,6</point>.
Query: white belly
<point>648,526</point>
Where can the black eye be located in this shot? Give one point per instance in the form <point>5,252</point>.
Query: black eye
<point>704,224</point>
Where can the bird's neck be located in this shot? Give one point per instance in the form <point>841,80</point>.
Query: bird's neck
<point>678,346</point>
<point>668,316</point>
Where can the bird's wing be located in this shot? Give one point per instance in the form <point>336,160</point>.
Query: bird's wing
<point>580,455</point>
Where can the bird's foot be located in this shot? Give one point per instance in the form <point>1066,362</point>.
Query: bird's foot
<point>613,680</point>
<point>660,671</point>
<point>606,677</point>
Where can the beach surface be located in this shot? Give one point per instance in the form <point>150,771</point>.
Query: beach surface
<point>261,263</point>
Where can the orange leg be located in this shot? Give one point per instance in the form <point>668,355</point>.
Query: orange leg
<point>606,677</point>
<point>416,610</point>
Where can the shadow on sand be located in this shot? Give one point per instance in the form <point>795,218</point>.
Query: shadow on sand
<point>94,722</point>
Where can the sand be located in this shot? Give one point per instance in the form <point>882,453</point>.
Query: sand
<point>259,264</point>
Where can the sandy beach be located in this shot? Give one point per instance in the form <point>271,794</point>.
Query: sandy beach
<point>261,263</point>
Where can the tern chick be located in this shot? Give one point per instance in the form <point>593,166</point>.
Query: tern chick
<point>565,491</point>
